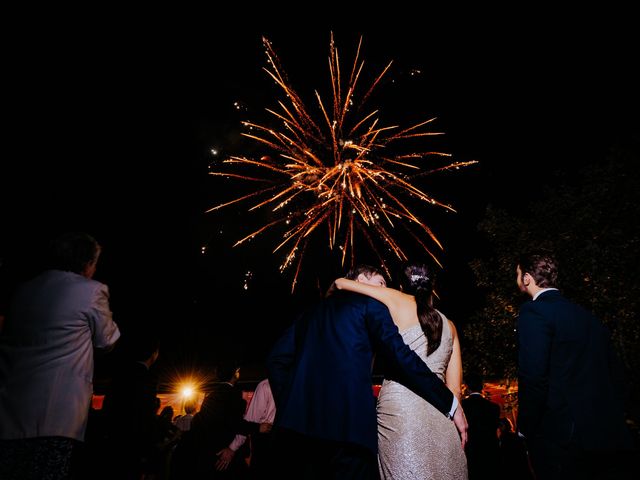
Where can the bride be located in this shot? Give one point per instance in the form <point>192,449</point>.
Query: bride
<point>414,439</point>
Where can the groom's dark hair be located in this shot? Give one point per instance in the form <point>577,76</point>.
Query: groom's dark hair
<point>367,270</point>
<point>353,274</point>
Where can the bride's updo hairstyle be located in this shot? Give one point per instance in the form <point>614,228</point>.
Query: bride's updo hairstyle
<point>417,279</point>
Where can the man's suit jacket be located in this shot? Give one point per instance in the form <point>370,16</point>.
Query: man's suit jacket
<point>320,370</point>
<point>130,407</point>
<point>46,355</point>
<point>220,416</point>
<point>567,389</point>
<point>212,429</point>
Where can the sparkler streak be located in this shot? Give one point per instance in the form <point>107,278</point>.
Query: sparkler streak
<point>351,183</point>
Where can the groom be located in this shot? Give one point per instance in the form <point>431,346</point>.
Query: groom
<point>320,374</point>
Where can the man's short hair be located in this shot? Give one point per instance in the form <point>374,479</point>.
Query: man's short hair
<point>190,406</point>
<point>367,270</point>
<point>73,251</point>
<point>541,265</point>
<point>475,381</point>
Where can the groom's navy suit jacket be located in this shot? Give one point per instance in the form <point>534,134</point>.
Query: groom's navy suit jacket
<point>320,370</point>
<point>568,387</point>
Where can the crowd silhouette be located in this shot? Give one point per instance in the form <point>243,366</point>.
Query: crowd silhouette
<point>315,414</point>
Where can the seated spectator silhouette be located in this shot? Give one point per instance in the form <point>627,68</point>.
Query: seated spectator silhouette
<point>183,422</point>
<point>482,417</point>
<point>165,438</point>
<point>513,459</point>
<point>165,420</point>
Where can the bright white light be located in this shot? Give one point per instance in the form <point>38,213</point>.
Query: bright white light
<point>187,392</point>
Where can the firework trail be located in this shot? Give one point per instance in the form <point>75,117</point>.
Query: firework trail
<point>338,168</point>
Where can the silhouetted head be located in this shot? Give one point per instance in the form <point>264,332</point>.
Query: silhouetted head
<point>75,252</point>
<point>362,273</point>
<point>474,381</point>
<point>227,371</point>
<point>541,265</point>
<point>505,425</point>
<point>367,271</point>
<point>190,407</point>
<point>145,347</point>
<point>167,413</point>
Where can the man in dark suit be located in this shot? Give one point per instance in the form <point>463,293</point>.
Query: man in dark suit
<point>482,415</point>
<point>198,454</point>
<point>129,409</point>
<point>570,406</point>
<point>320,375</point>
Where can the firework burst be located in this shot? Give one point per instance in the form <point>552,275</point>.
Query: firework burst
<point>339,168</point>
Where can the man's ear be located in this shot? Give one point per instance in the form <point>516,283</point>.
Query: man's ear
<point>526,279</point>
<point>361,278</point>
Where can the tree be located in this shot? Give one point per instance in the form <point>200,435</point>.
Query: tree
<point>592,223</point>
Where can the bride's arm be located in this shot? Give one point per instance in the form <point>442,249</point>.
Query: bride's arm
<point>388,296</point>
<point>453,375</point>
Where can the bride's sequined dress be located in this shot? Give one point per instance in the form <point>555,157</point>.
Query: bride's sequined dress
<point>415,440</point>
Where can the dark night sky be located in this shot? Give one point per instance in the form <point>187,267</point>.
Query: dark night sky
<point>110,127</point>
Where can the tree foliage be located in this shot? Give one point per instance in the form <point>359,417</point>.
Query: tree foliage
<point>593,225</point>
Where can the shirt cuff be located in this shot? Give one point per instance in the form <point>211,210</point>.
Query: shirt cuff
<point>454,407</point>
<point>237,442</point>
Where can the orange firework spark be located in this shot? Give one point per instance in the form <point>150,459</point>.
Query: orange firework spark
<point>337,170</point>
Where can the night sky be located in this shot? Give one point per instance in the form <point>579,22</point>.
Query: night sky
<point>111,127</point>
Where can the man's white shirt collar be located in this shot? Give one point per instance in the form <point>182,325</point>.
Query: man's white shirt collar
<point>541,292</point>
